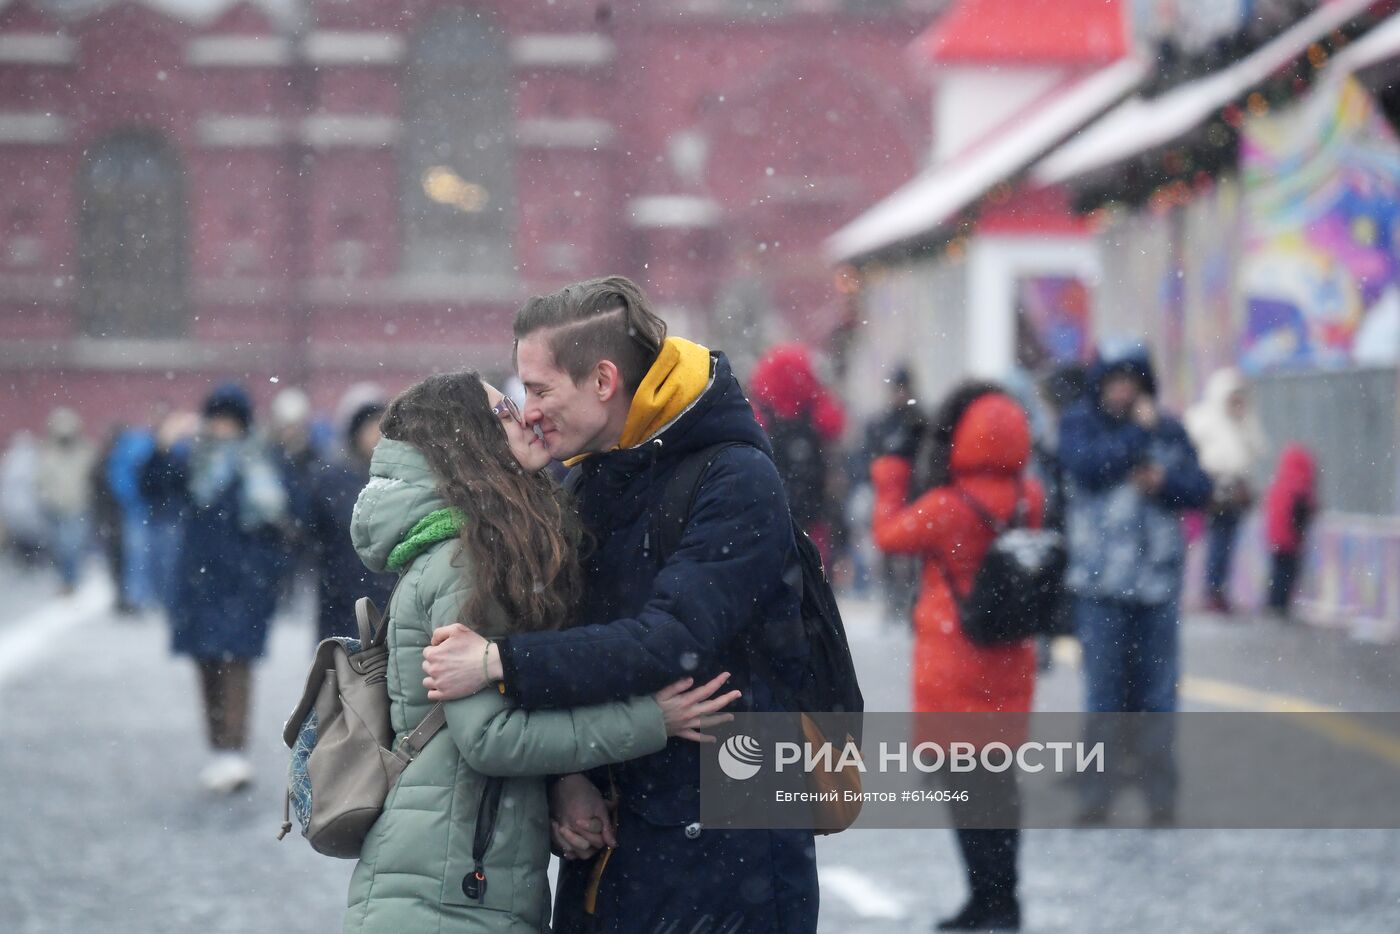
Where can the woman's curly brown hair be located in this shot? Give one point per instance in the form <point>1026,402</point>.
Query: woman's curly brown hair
<point>520,530</point>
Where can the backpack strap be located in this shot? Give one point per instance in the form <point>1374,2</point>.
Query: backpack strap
<point>373,625</point>
<point>374,629</point>
<point>412,744</point>
<point>997,527</point>
<point>1018,517</point>
<point>681,489</point>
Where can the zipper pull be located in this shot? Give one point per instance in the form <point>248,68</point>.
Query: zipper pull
<point>474,884</point>
<point>646,544</point>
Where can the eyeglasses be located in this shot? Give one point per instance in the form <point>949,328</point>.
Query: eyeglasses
<point>507,408</point>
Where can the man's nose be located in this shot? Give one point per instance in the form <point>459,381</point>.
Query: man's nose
<point>531,413</point>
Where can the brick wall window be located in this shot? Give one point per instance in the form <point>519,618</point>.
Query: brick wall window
<point>132,239</point>
<point>458,163</point>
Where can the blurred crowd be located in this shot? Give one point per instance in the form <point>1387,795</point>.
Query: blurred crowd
<point>208,517</point>
<point>65,498</point>
<point>915,507</point>
<point>826,461</point>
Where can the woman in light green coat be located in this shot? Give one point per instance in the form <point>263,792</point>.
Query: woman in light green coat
<point>458,503</point>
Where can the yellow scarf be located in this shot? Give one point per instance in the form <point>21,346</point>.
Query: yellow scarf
<point>677,378</point>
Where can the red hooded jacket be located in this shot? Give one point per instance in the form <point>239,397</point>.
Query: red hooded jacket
<point>785,383</point>
<point>990,450</point>
<point>1292,495</point>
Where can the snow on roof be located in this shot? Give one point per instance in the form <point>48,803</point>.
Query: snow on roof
<point>1138,125</point>
<point>940,192</point>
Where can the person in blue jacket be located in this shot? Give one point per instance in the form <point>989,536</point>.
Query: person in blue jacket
<point>604,384</point>
<point>1132,472</point>
<point>130,451</point>
<point>229,565</point>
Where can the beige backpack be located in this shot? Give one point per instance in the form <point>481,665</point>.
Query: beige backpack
<point>344,760</point>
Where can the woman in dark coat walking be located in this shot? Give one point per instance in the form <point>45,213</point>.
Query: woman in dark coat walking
<point>226,578</point>
<point>980,445</point>
<point>335,483</point>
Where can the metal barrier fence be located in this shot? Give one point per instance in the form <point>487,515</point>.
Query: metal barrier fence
<point>1348,418</point>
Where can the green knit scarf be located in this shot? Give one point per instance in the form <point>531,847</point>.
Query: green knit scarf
<point>435,527</point>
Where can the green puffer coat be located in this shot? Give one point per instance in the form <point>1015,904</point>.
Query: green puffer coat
<point>409,878</point>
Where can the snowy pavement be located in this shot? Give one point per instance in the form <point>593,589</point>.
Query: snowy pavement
<point>106,828</point>
<point>881,881</point>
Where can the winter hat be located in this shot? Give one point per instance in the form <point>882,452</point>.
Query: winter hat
<point>64,423</point>
<point>357,396</point>
<point>230,400</point>
<point>366,412</point>
<point>290,407</point>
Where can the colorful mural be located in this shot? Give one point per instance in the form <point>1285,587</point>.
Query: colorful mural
<point>1322,227</point>
<point>1052,322</point>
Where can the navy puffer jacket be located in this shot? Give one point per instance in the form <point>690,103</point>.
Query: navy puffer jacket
<point>644,624</point>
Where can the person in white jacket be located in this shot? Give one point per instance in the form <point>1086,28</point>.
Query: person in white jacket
<point>66,460</point>
<point>1230,442</point>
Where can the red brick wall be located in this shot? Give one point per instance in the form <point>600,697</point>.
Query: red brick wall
<point>827,102</point>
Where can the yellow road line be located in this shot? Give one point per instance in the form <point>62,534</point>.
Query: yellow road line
<point>1238,697</point>
<point>1223,694</point>
<point>1340,728</point>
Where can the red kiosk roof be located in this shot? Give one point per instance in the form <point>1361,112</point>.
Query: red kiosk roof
<point>1062,32</point>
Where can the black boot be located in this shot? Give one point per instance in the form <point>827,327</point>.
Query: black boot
<point>983,914</point>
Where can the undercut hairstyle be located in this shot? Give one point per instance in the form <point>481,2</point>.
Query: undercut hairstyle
<point>600,319</point>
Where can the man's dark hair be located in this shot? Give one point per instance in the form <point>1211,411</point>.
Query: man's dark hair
<point>600,319</point>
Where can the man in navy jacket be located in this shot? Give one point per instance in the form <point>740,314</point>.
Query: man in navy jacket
<point>608,391</point>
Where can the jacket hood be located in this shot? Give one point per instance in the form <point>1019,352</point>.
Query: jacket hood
<point>992,437</point>
<point>675,381</point>
<point>785,384</point>
<point>785,381</point>
<point>1297,468</point>
<point>1221,386</point>
<point>402,490</point>
<point>1131,358</point>
<point>1228,444</point>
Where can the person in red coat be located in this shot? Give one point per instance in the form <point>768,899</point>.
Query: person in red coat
<point>1289,505</point>
<point>804,421</point>
<point>980,447</point>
